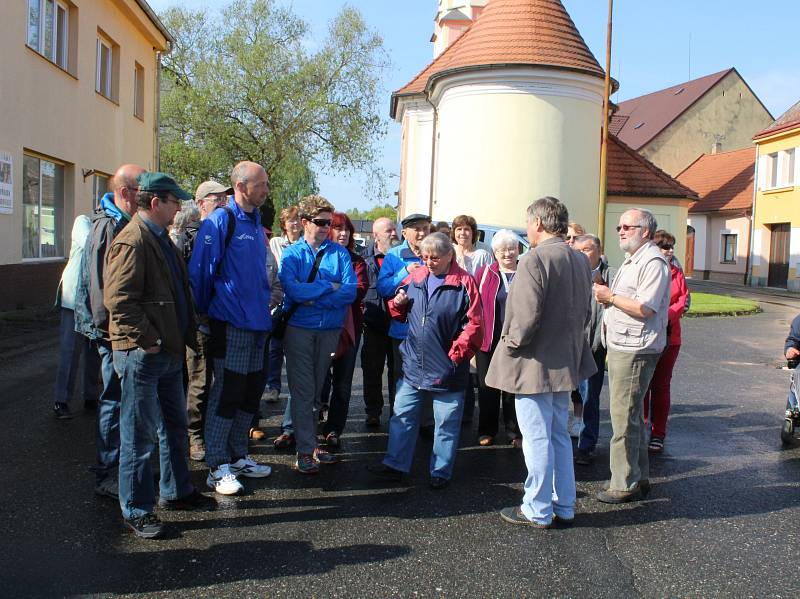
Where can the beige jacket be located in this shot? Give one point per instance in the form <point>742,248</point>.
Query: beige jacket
<point>543,346</point>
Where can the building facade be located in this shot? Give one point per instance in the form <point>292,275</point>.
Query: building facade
<point>776,218</point>
<point>79,97</point>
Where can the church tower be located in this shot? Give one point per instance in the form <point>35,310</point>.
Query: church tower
<point>453,17</point>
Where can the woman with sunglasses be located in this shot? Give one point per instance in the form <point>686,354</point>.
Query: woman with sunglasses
<point>657,398</point>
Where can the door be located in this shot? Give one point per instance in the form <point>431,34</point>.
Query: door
<point>688,264</point>
<point>779,255</point>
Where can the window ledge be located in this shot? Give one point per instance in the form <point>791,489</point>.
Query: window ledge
<point>38,260</point>
<point>727,262</point>
<point>772,190</point>
<point>52,63</point>
<point>105,97</point>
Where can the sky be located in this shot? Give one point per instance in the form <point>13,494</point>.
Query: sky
<point>656,44</point>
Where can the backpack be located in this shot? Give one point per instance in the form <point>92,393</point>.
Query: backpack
<point>191,235</point>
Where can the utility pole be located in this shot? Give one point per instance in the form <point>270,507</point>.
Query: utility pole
<point>601,214</point>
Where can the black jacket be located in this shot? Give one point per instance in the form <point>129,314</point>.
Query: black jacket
<point>376,314</point>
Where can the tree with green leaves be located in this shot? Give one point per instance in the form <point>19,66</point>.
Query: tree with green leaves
<point>386,210</point>
<point>245,84</point>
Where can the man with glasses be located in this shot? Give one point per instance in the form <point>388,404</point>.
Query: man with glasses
<point>635,321</point>
<point>150,322</point>
<point>319,284</point>
<point>209,196</point>
<point>230,286</point>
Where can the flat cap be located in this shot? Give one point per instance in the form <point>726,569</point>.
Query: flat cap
<point>414,218</point>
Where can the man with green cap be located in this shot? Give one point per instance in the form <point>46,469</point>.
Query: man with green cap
<point>151,321</point>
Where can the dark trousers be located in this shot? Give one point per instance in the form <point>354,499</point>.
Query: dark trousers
<point>337,389</point>
<point>591,404</point>
<point>490,400</point>
<point>376,352</point>
<point>200,370</point>
<point>77,356</point>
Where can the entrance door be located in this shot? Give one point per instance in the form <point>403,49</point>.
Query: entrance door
<point>688,265</point>
<point>779,255</point>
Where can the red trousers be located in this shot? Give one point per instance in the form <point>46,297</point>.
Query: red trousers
<point>657,398</point>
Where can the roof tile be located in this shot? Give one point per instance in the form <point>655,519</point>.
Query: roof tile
<point>788,120</point>
<point>631,174</point>
<point>723,181</point>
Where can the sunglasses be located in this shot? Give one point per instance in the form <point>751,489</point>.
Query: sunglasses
<point>627,227</point>
<point>321,222</point>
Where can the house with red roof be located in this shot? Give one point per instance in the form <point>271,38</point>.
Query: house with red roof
<point>718,241</point>
<point>672,127</point>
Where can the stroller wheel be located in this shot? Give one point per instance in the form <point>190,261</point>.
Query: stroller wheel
<point>787,431</point>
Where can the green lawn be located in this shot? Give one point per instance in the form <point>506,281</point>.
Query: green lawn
<point>709,304</point>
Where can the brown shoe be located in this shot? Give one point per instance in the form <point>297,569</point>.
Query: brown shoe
<point>612,496</point>
<point>485,440</point>
<point>256,434</point>
<point>516,442</point>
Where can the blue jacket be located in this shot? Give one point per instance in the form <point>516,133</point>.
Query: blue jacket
<point>393,271</point>
<point>321,307</point>
<point>444,332</point>
<point>230,284</point>
<point>793,340</point>
<point>376,316</point>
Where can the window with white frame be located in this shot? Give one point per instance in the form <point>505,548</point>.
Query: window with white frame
<point>728,248</point>
<point>105,68</point>
<point>48,30</point>
<point>780,169</point>
<point>99,187</point>
<point>42,208</point>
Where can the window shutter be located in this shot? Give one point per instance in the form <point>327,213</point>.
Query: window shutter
<point>763,171</point>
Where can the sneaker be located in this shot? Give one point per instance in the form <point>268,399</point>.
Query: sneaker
<point>323,456</point>
<point>62,411</point>
<point>193,501</point>
<point>306,464</point>
<point>146,527</point>
<point>223,481</point>
<point>271,395</point>
<point>108,487</point>
<point>247,467</point>
<point>514,515</point>
<point>574,427</point>
<point>197,451</point>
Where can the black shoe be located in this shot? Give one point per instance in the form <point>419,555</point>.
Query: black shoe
<point>61,411</point>
<point>644,488</point>
<point>193,501</point>
<point>514,515</point>
<point>381,471</point>
<point>563,522</point>
<point>584,457</point>
<point>146,527</point>
<point>90,405</point>
<point>438,483</point>
<point>372,422</point>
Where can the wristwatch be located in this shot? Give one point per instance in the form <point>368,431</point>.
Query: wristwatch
<point>158,342</point>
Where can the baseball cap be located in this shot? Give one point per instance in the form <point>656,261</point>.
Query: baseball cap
<point>414,218</point>
<point>208,187</point>
<point>155,182</point>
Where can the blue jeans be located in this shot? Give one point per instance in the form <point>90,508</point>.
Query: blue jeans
<point>153,399</point>
<point>448,407</point>
<point>72,346</point>
<point>591,404</point>
<point>275,364</point>
<point>107,442</point>
<point>791,401</point>
<point>550,485</point>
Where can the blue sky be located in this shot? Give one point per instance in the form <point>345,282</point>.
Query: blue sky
<point>651,51</point>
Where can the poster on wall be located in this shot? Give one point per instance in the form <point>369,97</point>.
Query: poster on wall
<point>6,184</point>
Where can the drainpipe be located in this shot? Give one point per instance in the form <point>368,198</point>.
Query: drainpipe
<point>433,151</point>
<point>748,265</point>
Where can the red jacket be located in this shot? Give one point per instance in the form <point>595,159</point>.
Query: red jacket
<point>677,303</point>
<point>444,331</point>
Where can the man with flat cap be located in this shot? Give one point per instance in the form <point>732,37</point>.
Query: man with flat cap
<point>398,263</point>
<point>151,321</point>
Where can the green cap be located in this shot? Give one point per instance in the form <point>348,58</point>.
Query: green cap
<point>156,182</point>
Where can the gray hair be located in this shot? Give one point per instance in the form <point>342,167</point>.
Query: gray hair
<point>552,213</point>
<point>504,238</point>
<point>589,237</point>
<point>646,220</point>
<point>187,214</point>
<point>437,243</point>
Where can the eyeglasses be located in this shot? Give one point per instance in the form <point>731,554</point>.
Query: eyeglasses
<point>321,222</point>
<point>570,237</point>
<point>627,227</point>
<point>170,199</point>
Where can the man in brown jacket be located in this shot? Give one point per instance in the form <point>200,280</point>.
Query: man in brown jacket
<point>151,320</point>
<point>542,355</point>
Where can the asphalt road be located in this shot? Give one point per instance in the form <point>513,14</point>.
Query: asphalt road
<point>722,519</point>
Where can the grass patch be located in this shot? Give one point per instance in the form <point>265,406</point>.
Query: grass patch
<point>709,304</point>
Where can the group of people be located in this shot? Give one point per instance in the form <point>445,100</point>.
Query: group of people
<point>188,310</point>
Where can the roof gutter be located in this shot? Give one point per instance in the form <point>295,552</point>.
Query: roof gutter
<point>748,268</point>
<point>157,22</point>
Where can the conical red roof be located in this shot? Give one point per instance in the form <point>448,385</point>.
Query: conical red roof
<point>514,32</point>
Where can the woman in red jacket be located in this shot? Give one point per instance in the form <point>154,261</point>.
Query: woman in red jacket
<point>657,399</point>
<point>494,281</point>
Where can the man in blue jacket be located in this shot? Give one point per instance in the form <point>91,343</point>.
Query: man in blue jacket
<point>230,286</point>
<point>318,304</point>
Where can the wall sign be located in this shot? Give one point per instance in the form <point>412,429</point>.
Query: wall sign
<point>6,184</point>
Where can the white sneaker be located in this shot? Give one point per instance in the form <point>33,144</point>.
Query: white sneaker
<point>574,426</point>
<point>271,395</point>
<point>223,481</point>
<point>247,467</point>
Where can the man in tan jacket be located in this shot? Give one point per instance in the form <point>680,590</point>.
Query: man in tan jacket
<point>542,355</point>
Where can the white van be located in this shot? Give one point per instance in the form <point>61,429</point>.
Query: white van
<point>486,232</point>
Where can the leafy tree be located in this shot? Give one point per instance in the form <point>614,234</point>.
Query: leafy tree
<point>243,84</point>
<point>386,210</point>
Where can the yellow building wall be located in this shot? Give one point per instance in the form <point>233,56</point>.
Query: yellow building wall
<point>58,114</point>
<point>499,147</point>
<point>670,213</point>
<point>728,113</point>
<point>774,206</point>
